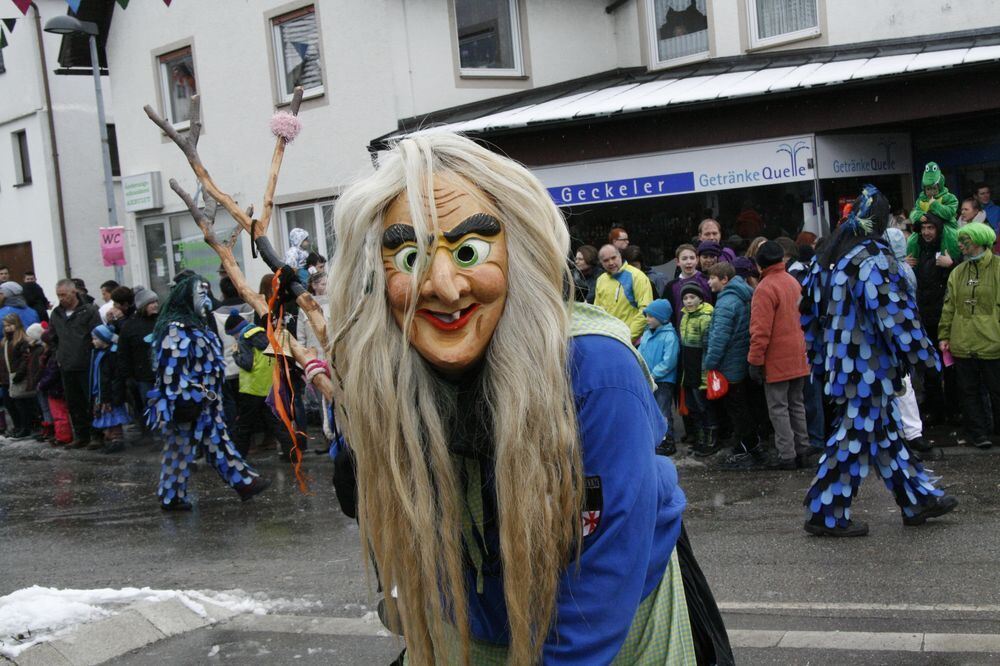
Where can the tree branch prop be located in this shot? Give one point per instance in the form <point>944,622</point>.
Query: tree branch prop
<point>257,229</point>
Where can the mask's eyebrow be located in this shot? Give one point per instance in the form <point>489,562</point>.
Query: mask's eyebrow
<point>482,224</point>
<point>396,235</point>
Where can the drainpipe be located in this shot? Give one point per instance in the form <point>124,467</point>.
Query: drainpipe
<point>52,138</point>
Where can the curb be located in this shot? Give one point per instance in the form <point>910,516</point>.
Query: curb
<point>137,626</point>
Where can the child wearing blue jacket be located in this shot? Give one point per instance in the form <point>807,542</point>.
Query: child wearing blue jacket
<point>660,348</point>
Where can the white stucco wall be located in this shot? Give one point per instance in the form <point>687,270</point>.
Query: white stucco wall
<point>29,213</point>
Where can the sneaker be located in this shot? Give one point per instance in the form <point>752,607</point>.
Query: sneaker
<point>852,529</point>
<point>255,487</point>
<point>983,443</point>
<point>938,506</point>
<point>176,505</point>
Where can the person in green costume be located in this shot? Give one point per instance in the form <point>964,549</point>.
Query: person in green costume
<point>935,198</point>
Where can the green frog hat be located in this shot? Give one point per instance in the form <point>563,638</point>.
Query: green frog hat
<point>932,176</point>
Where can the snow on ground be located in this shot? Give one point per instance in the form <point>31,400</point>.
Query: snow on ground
<point>37,614</point>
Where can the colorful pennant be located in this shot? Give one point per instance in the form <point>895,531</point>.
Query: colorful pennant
<point>74,5</point>
<point>23,5</point>
<point>123,4</point>
<point>10,24</point>
<point>3,40</point>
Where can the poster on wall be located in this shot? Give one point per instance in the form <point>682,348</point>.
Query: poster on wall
<point>112,245</point>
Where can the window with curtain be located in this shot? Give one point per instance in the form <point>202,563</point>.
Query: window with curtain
<point>489,41</point>
<point>178,85</point>
<point>296,49</point>
<point>678,30</point>
<point>778,20</point>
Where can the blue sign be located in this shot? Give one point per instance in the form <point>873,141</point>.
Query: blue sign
<point>627,188</point>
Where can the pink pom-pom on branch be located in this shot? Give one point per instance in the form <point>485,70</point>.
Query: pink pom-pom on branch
<point>285,125</point>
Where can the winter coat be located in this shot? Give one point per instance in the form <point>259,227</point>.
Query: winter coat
<point>586,285</point>
<point>624,296</point>
<point>255,367</point>
<point>658,280</point>
<point>660,348</point>
<point>15,360</point>
<point>73,333</point>
<point>776,338</point>
<point>729,335</point>
<point>694,338</point>
<point>27,315</point>
<point>970,318</point>
<point>295,256</point>
<point>33,366</point>
<point>672,292</point>
<point>106,387</point>
<point>50,381</point>
<point>944,205</point>
<point>932,282</point>
<point>947,241</point>
<point>134,359</point>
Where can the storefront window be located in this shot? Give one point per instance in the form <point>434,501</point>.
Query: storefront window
<point>775,21</point>
<point>297,52</point>
<point>178,85</point>
<point>175,243</point>
<point>158,262</point>
<point>678,31</point>
<point>489,41</point>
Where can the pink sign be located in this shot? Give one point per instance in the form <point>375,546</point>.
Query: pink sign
<point>113,245</point>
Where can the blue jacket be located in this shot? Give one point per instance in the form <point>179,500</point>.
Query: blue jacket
<point>625,556</point>
<point>661,348</point>
<point>729,335</point>
<point>992,215</point>
<point>27,315</point>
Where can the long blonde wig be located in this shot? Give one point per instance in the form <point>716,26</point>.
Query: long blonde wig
<point>398,419</point>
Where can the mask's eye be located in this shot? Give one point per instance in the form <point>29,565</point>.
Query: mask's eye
<point>471,253</point>
<point>405,259</point>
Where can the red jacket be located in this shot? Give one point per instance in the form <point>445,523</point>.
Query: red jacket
<point>776,339</point>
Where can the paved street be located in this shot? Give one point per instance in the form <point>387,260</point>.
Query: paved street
<point>84,520</point>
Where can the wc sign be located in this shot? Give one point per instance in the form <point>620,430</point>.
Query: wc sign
<point>113,245</point>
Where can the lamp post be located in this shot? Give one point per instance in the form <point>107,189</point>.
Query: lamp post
<point>68,25</point>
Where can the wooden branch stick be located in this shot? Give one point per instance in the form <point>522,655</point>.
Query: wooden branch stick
<point>272,174</point>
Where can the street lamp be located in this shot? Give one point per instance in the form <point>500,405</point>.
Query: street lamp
<point>68,25</point>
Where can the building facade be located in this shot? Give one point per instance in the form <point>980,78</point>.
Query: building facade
<point>49,224</point>
<point>651,113</point>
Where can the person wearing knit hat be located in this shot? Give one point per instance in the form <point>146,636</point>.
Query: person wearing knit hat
<point>235,324</point>
<point>133,357</point>
<point>934,198</point>
<point>708,254</point>
<point>660,348</point>
<point>747,270</point>
<point>12,301</point>
<point>970,331</point>
<point>34,332</point>
<point>107,391</point>
<point>142,297</point>
<point>695,322</point>
<point>769,254</point>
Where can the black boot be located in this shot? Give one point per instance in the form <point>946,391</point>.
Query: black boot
<point>255,487</point>
<point>666,447</point>
<point>709,443</point>
<point>743,458</point>
<point>854,528</point>
<point>938,506</point>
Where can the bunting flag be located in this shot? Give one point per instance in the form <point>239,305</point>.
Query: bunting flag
<point>10,24</point>
<point>74,5</point>
<point>167,2</point>
<point>123,4</point>
<point>3,40</point>
<point>23,5</point>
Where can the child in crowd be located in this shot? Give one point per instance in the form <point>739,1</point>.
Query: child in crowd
<point>687,263</point>
<point>695,323</point>
<point>19,399</point>
<point>777,354</point>
<point>728,345</point>
<point>660,349</point>
<point>50,385</point>
<point>34,372</point>
<point>256,375</point>
<point>107,391</point>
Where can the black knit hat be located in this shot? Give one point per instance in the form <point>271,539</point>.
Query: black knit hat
<point>768,254</point>
<point>692,288</point>
<point>234,322</point>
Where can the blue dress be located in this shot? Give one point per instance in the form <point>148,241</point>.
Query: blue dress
<point>863,335</point>
<point>190,370</point>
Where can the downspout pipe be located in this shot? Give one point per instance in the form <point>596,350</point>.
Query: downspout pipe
<point>57,172</point>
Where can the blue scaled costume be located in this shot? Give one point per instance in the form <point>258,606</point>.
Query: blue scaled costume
<point>185,404</point>
<point>863,335</point>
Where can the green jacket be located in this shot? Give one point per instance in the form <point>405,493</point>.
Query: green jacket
<point>970,319</point>
<point>694,339</point>
<point>256,368</point>
<point>944,205</point>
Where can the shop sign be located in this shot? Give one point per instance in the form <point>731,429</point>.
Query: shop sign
<point>856,155</point>
<point>142,192</point>
<point>732,166</point>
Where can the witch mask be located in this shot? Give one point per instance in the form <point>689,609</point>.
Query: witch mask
<point>462,279</point>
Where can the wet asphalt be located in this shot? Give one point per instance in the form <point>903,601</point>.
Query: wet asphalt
<point>87,520</point>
